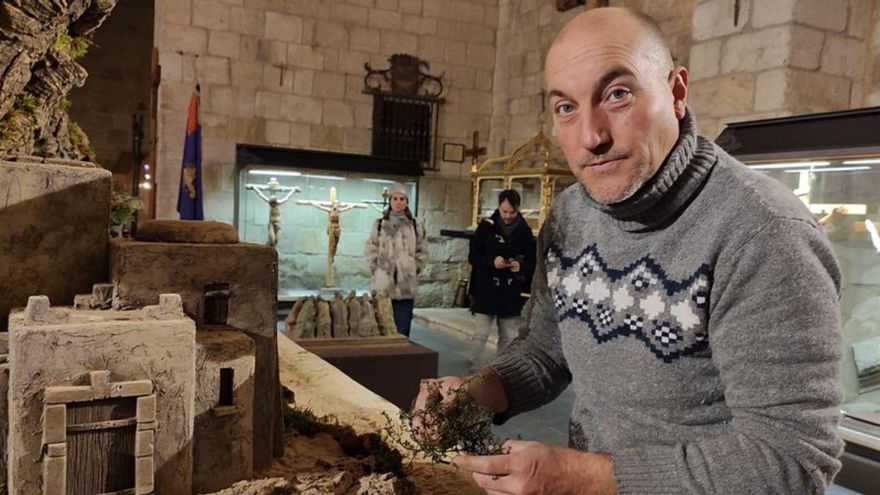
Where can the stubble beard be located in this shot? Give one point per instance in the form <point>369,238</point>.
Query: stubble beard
<point>601,195</point>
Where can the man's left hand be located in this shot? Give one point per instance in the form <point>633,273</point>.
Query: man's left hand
<point>535,468</point>
<point>514,266</point>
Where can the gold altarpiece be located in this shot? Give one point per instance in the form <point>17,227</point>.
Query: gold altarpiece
<point>536,169</point>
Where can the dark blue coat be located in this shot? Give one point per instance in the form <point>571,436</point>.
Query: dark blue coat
<point>493,291</point>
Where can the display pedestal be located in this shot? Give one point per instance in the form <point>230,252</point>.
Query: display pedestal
<point>392,367</point>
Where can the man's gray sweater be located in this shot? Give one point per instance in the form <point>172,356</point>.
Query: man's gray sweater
<point>698,322</point>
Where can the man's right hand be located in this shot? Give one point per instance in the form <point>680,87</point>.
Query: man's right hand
<point>485,387</point>
<point>501,263</point>
<point>430,388</point>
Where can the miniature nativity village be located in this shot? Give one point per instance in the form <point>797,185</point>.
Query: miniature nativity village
<point>195,196</point>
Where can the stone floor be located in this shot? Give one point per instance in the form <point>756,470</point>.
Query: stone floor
<point>448,331</point>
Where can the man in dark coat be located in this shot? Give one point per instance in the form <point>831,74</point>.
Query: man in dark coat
<point>502,257</point>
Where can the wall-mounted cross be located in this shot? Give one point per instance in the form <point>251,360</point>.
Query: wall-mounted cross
<point>475,151</point>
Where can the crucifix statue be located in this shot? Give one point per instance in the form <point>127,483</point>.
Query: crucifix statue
<point>274,203</point>
<point>333,209</point>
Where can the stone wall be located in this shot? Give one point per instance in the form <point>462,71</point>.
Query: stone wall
<point>779,58</point>
<point>118,85</point>
<point>291,73</point>
<point>445,205</point>
<point>53,226</point>
<point>223,449</point>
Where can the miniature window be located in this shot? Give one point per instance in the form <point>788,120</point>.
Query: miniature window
<point>216,304</point>
<point>226,386</point>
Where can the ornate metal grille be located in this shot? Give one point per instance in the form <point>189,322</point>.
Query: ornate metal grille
<point>406,101</point>
<point>403,127</point>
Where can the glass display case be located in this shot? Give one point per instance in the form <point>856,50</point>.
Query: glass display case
<point>536,170</point>
<point>301,188</point>
<point>832,163</point>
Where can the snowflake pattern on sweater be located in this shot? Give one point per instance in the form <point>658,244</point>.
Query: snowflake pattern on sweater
<point>639,300</point>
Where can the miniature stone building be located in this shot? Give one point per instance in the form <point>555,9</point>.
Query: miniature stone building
<point>224,422</point>
<point>101,401</point>
<point>224,285</point>
<point>128,399</point>
<point>54,223</point>
<point>4,390</point>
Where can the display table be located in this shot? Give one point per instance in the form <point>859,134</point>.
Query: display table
<point>391,367</point>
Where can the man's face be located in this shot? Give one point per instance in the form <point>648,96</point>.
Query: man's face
<point>398,202</point>
<point>615,108</point>
<point>508,212</point>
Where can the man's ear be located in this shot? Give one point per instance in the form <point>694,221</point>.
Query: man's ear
<point>678,81</point>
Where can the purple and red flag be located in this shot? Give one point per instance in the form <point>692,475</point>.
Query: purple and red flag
<point>189,198</point>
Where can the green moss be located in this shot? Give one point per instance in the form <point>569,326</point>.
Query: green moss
<point>304,421</point>
<point>80,140</point>
<point>26,103</point>
<point>74,46</point>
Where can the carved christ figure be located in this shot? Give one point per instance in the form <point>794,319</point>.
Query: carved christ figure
<point>274,203</point>
<point>333,209</point>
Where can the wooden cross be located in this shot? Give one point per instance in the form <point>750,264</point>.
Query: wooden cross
<point>475,151</point>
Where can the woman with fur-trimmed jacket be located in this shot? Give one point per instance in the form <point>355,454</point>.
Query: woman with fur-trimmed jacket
<point>397,251</point>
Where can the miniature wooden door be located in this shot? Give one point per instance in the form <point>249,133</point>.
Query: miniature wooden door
<point>101,446</point>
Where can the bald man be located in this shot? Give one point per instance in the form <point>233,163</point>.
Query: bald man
<point>691,303</point>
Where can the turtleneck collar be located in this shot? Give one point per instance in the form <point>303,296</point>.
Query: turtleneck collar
<point>670,188</point>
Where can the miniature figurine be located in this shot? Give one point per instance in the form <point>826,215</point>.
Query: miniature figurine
<point>339,313</point>
<point>384,314</point>
<point>324,328</point>
<point>305,320</point>
<point>368,327</point>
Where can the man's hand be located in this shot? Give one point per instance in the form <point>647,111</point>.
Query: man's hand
<point>514,266</point>
<point>446,388</point>
<point>501,263</point>
<point>538,469</point>
<point>484,386</point>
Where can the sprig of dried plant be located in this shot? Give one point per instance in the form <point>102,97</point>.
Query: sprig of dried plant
<point>444,428</point>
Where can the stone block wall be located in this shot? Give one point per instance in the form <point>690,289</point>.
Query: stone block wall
<point>290,73</point>
<point>445,204</point>
<point>53,226</point>
<point>779,58</point>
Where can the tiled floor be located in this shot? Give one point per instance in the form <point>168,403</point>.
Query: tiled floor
<point>547,424</point>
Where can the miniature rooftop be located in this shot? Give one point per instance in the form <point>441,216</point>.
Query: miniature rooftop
<point>39,312</point>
